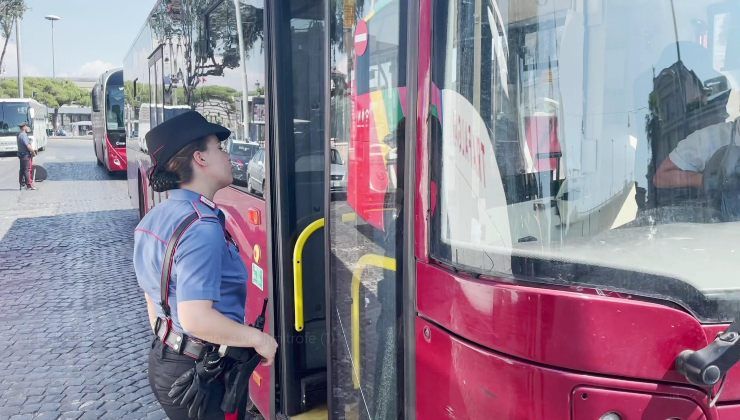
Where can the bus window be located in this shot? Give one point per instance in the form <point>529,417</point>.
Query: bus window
<point>114,105</point>
<point>590,157</point>
<point>12,114</point>
<point>368,88</point>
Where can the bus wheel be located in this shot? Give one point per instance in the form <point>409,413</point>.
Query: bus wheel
<point>141,200</point>
<point>97,159</point>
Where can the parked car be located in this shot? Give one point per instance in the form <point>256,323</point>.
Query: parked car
<point>240,153</point>
<point>307,163</point>
<point>338,172</point>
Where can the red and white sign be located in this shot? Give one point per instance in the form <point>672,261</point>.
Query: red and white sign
<point>360,38</point>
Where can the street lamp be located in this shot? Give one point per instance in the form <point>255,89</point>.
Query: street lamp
<point>52,18</point>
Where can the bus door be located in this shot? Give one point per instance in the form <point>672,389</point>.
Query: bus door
<point>367,59</point>
<point>296,165</point>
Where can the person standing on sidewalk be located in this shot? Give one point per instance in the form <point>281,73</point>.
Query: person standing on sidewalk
<point>26,152</point>
<point>188,266</point>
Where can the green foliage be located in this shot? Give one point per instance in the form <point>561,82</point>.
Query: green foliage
<point>210,49</point>
<point>216,93</point>
<point>142,94</point>
<point>51,92</point>
<point>10,10</point>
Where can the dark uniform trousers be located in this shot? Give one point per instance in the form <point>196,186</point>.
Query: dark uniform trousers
<point>25,178</point>
<point>164,368</point>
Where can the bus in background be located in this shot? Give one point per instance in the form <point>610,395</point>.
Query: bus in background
<point>109,130</point>
<point>14,111</point>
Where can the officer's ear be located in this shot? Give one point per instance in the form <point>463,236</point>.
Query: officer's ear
<point>199,158</point>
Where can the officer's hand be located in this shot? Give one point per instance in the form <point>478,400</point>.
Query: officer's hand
<point>266,348</point>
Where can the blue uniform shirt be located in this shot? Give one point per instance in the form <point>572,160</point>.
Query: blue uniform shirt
<point>24,144</point>
<point>206,266</point>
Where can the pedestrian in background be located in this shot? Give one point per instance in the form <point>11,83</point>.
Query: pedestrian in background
<point>26,152</point>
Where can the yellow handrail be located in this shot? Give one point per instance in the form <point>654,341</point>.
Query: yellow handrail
<point>298,270</point>
<point>372,260</point>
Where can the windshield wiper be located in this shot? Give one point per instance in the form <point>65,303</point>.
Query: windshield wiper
<point>708,366</point>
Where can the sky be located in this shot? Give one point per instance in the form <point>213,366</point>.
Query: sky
<point>92,37</point>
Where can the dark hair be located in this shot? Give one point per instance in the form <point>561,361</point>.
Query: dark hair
<point>179,168</point>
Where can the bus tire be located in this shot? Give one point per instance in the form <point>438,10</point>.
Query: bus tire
<point>141,200</point>
<point>97,159</point>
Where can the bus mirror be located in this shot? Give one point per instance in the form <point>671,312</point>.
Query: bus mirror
<point>94,100</point>
<point>31,113</point>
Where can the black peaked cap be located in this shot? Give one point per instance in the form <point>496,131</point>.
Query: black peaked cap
<point>165,140</point>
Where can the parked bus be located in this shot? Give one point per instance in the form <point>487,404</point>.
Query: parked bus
<point>14,111</point>
<point>518,239</point>
<point>109,128</point>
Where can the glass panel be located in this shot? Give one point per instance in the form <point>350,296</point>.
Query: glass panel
<point>12,114</point>
<point>246,167</point>
<point>368,64</point>
<point>590,144</point>
<point>114,107</point>
<point>297,158</point>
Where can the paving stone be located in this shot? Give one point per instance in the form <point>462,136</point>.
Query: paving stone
<point>91,405</point>
<point>7,412</point>
<point>61,326</point>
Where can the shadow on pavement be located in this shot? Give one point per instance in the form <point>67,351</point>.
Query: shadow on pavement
<point>72,305</point>
<point>80,171</point>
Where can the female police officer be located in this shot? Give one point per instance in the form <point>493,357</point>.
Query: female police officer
<point>200,298</point>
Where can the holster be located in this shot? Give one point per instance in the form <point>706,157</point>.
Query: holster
<point>236,379</point>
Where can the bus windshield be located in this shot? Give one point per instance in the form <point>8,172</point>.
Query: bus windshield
<point>114,103</point>
<point>12,114</point>
<point>568,150</point>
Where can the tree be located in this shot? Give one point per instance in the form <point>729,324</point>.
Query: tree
<point>53,93</point>
<point>10,10</point>
<point>208,49</point>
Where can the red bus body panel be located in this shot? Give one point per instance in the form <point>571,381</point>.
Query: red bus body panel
<point>459,380</point>
<point>249,237</point>
<point>115,159</point>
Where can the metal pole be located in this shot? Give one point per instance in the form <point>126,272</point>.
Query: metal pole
<point>53,65</point>
<point>18,56</point>
<point>675,30</point>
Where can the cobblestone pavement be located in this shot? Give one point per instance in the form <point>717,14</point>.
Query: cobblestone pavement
<point>72,319</point>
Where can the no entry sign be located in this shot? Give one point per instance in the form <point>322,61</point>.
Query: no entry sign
<point>360,38</point>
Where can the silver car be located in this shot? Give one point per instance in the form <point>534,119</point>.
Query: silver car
<point>256,173</point>
<point>307,163</point>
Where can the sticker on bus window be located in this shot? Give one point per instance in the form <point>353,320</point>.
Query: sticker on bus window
<point>257,276</point>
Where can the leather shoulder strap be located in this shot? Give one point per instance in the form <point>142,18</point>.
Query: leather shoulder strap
<point>169,256</point>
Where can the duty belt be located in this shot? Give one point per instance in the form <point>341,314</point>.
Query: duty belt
<point>179,342</point>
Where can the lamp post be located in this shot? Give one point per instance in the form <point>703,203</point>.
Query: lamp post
<point>18,55</point>
<point>52,18</point>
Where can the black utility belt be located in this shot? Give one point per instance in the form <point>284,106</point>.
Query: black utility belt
<point>180,343</point>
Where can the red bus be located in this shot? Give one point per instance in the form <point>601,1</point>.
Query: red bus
<point>109,130</point>
<point>517,239</point>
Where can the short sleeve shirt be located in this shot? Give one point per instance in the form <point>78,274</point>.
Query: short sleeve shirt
<point>24,143</point>
<point>693,152</point>
<point>206,265</point>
